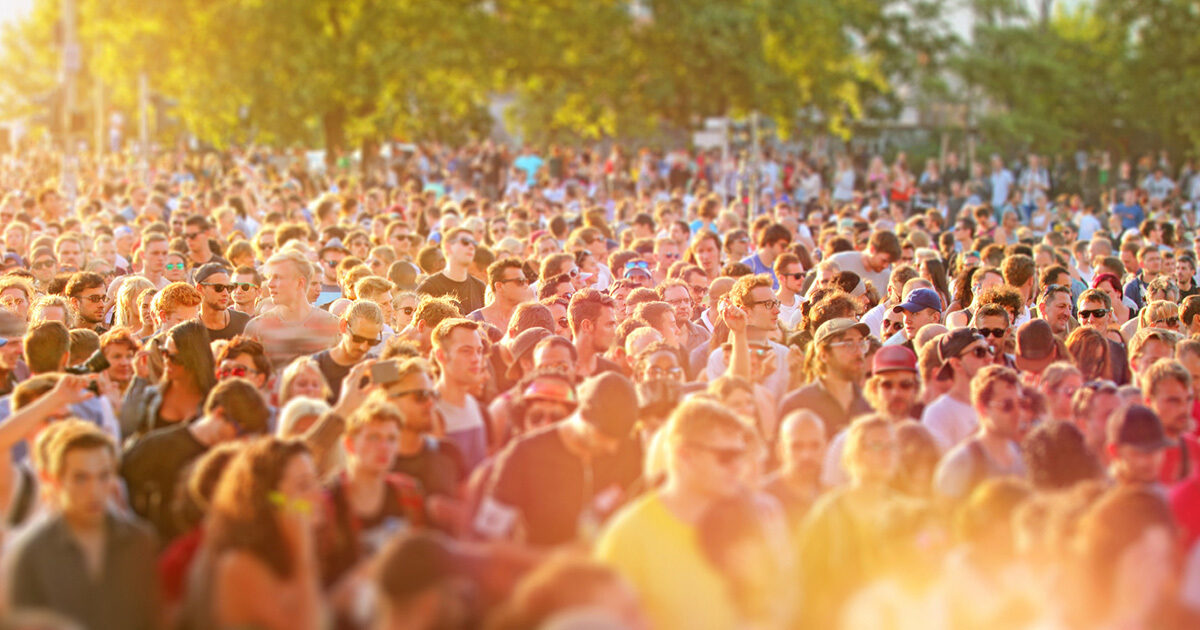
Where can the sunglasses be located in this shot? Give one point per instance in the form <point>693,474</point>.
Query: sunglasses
<point>94,299</point>
<point>1096,312</point>
<point>421,395</point>
<point>174,266</point>
<point>466,241</point>
<point>367,340</point>
<point>245,286</point>
<point>637,264</point>
<point>904,386</point>
<point>724,455</point>
<point>236,372</point>
<point>992,332</point>
<point>45,264</point>
<point>1170,321</point>
<point>191,235</point>
<point>218,287</point>
<point>980,352</point>
<point>794,276</point>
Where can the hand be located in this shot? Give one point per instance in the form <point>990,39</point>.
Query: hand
<point>734,317</point>
<point>355,388</point>
<point>141,364</point>
<point>71,389</point>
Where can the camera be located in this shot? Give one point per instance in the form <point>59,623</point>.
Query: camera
<point>94,365</point>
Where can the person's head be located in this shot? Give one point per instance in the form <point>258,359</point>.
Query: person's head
<point>894,386</point>
<point>69,250</point>
<point>421,581</point>
<point>734,392</point>
<point>1149,259</point>
<point>458,246</point>
<point>12,333</point>
<point>839,349</point>
<point>995,394</point>
<point>961,354</point>
<point>870,455</point>
<point>1147,346</point>
<point>919,308</point>
<point>1161,314</point>
<point>372,436</point>
<point>303,378</point>
<point>546,397</point>
<point>51,308</point>
<point>44,264</point>
<point>709,450</point>
<point>754,295</point>
<point>883,249</point>
<point>1059,383</point>
<point>215,286</point>
<point>177,302</point>
<point>592,319</point>
<point>86,291</point>
<point>458,349</point>
<point>1020,272</point>
<point>1136,444</point>
<point>187,356</point>
<point>243,357</point>
<point>1091,407</point>
<point>679,296</point>
<point>239,406</point>
<point>47,346</point>
<point>175,269</point>
<point>506,277</point>
<point>247,288</point>
<point>1168,390</point>
<point>82,468</point>
<point>802,442</point>
<point>1054,305</point>
<point>288,275</point>
<point>361,327</point>
<point>1057,456</point>
<point>1091,352</point>
<point>16,294</point>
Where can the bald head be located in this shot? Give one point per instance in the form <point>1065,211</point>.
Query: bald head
<point>802,441</point>
<point>717,290</point>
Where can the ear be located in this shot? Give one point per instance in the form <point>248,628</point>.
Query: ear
<point>343,326</point>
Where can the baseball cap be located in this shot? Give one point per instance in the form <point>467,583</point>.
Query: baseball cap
<point>522,344</point>
<point>894,359</point>
<point>609,402</point>
<point>209,269</point>
<point>1036,346</point>
<point>122,230</point>
<point>952,344</point>
<point>837,326</point>
<point>334,244</point>
<point>556,389</point>
<point>1137,426</point>
<point>919,300</point>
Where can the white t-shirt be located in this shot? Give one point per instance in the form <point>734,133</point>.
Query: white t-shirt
<point>464,427</point>
<point>853,261</point>
<point>776,383</point>
<point>950,421</point>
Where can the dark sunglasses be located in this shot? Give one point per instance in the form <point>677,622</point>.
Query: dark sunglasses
<point>1170,321</point>
<point>421,395</point>
<point>888,325</point>
<point>191,235</point>
<point>245,286</point>
<point>45,264</point>
<point>794,276</point>
<point>367,340</point>
<point>1096,312</point>
<point>218,287</point>
<point>94,299</point>
<point>462,240</point>
<point>992,332</point>
<point>724,456</point>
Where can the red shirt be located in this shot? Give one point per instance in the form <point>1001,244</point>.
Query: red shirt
<point>1181,461</point>
<point>1185,504</point>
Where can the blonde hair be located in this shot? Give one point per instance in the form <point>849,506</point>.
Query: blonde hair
<point>304,267</point>
<point>295,409</point>
<point>1160,309</point>
<point>127,297</point>
<point>292,370</point>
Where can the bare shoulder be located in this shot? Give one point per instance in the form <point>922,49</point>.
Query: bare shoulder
<point>237,570</point>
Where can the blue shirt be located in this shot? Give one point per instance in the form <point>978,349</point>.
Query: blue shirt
<point>758,266</point>
<point>1131,216</point>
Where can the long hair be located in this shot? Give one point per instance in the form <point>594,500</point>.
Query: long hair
<point>241,515</point>
<point>1092,355</point>
<point>195,354</point>
<point>127,302</point>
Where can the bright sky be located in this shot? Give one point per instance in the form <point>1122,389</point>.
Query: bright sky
<point>13,9</point>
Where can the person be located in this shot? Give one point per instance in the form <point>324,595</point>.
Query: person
<point>361,327</point>
<point>1054,306</point>
<point>874,263</point>
<point>86,292</point>
<point>216,297</point>
<point>85,560</point>
<point>458,350</point>
<point>653,541</point>
<point>258,564</point>
<point>797,483</point>
<point>920,308</point>
<point>771,243</point>
<point>247,289</point>
<point>178,396</point>
<point>593,328</point>
<point>994,451</point>
<point>594,470</point>
<point>459,248</point>
<point>151,468</point>
<point>292,327</point>
<point>1135,445</point>
<point>1168,392</point>
<point>952,417</point>
<point>506,279</point>
<point>423,580</point>
<point>838,349</point>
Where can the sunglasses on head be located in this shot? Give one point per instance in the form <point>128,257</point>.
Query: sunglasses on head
<point>218,287</point>
<point>637,264</point>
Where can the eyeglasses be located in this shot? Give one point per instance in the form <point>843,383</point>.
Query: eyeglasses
<point>238,371</point>
<point>218,287</point>
<point>562,321</point>
<point>463,240</point>
<point>408,310</point>
<point>906,385</point>
<point>367,340</point>
<point>174,266</point>
<point>725,455</point>
<point>191,235</point>
<point>992,332</point>
<point>421,395</point>
<point>245,286</point>
<point>770,304</point>
<point>671,255</point>
<point>1170,321</point>
<point>658,372</point>
<point>1100,386</point>
<point>512,281</point>
<point>862,345</point>
<point>699,290</point>
<point>45,264</point>
<point>683,301</point>
<point>94,299</point>
<point>1097,313</point>
<point>795,276</point>
<point>1008,406</point>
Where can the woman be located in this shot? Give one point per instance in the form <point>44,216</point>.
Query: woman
<point>1060,381</point>
<point>176,269</point>
<point>1160,314</point>
<point>1093,357</point>
<point>145,307</point>
<point>705,253</point>
<point>982,280</point>
<point>1111,285</point>
<point>258,567</point>
<point>128,313</point>
<point>934,271</point>
<point>302,378</point>
<point>188,375</point>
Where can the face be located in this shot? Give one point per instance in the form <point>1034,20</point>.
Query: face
<point>308,383</point>
<point>329,263</point>
<point>553,357</point>
<point>720,464</point>
<point>742,402</point>
<point>1134,465</point>
<point>1152,351</point>
<point>897,391</point>
<point>667,254</point>
<point>196,238</point>
<point>461,249</point>
<point>680,300</point>
<point>284,283</point>
<point>70,256</point>
<point>15,300</point>
<point>707,254</point>
<point>300,480</point>
<point>541,413</point>
<point>877,459</point>
<point>405,307</point>
<point>762,308</point>
<point>987,326</point>
<point>1002,414</point>
<point>246,292</point>
<point>359,247</point>
<point>561,325</point>
<point>86,483</point>
<point>358,337</point>
<point>1152,262</point>
<point>120,361</point>
<point>215,293</point>
<point>660,366</point>
<point>1172,401</point>
<point>970,360</point>
<point>375,445</point>
<point>410,395</point>
<point>913,322</point>
<point>1093,313</point>
<point>1057,311</point>
<point>44,268</point>
<point>846,356</point>
<point>156,257</point>
<point>892,324</point>
<point>462,355</point>
<point>802,448</point>
<point>512,287</point>
<point>174,268</point>
<point>241,366</point>
<point>1058,397</point>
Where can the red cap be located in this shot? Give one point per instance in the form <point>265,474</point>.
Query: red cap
<point>894,359</point>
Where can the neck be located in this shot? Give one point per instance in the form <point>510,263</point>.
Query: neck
<point>211,316</point>
<point>452,391</point>
<point>786,295</point>
<point>411,442</point>
<point>296,311</point>
<point>364,477</point>
<point>754,333</point>
<point>455,272</point>
<point>686,505</point>
<point>837,384</point>
<point>83,525</point>
<point>961,390</point>
<point>802,480</point>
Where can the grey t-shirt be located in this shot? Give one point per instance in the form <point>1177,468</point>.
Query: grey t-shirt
<point>853,261</point>
<point>968,464</point>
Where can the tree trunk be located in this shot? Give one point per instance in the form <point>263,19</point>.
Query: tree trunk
<point>333,125</point>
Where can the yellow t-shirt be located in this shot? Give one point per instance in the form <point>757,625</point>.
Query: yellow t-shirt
<point>659,555</point>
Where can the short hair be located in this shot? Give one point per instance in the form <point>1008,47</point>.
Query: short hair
<point>1049,293</point>
<point>1018,269</point>
<point>1145,335</point>
<point>176,295</point>
<point>985,382</point>
<point>433,310</point>
<point>773,234</point>
<point>1096,295</point>
<point>1157,310</point>
<point>44,302</point>
<point>375,409</point>
<point>84,343</point>
<point>243,345</point>
<point>696,419</point>
<point>242,404</point>
<point>1189,309</point>
<point>531,315</point>
<point>991,310</point>
<point>1164,370</point>
<point>740,293</point>
<point>372,285</point>
<point>495,271</point>
<point>17,282</point>
<point>443,331</point>
<point>1187,347</point>
<point>586,305</point>
<point>45,344</point>
<point>76,435</point>
<point>653,311</point>
<point>450,236</point>
<point>551,264</point>
<point>120,336</point>
<point>33,388</point>
<point>303,267</point>
<point>82,281</point>
<point>363,309</point>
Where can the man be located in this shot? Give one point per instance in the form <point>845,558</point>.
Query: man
<point>1129,211</point>
<point>991,321</point>
<point>666,253</point>
<point>247,289</point>
<point>154,259</point>
<point>1054,306</point>
<point>1001,181</point>
<point>1136,446</point>
<point>1091,406</point>
<point>654,542</point>
<point>85,290</point>
<point>1148,346</point>
<point>1095,309</point>
<point>892,391</point>
<point>430,312</point>
<point>951,418</point>
<point>68,248</point>
<point>506,277</point>
<point>152,467</point>
<point>455,280</point>
<point>1036,349</point>
<point>595,463</point>
<point>593,328</point>
<point>678,295</point>
<point>920,308</point>
<point>994,451</point>
<point>119,348</point>
<point>331,255</point>
<point>222,322</point>
<point>771,244</point>
<point>834,395</point>
<point>458,349</point>
<point>1168,392</point>
<point>754,296</point>
<point>196,234</point>
<point>790,273</point>
<point>894,294</point>
<point>436,463</point>
<point>361,327</point>
<point>1020,272</point>
<point>1149,259</point>
<point>44,266</point>
<point>85,560</point>
<point>13,369</point>
<point>423,582</point>
<point>177,302</point>
<point>875,262</point>
<point>797,483</point>
<point>292,327</point>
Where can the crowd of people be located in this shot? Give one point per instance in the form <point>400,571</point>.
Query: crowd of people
<point>496,388</point>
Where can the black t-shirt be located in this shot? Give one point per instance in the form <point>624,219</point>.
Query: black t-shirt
<point>469,292</point>
<point>438,467</point>
<point>152,468</point>
<point>334,372</point>
<point>538,466</point>
<point>352,537</point>
<point>237,324</point>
